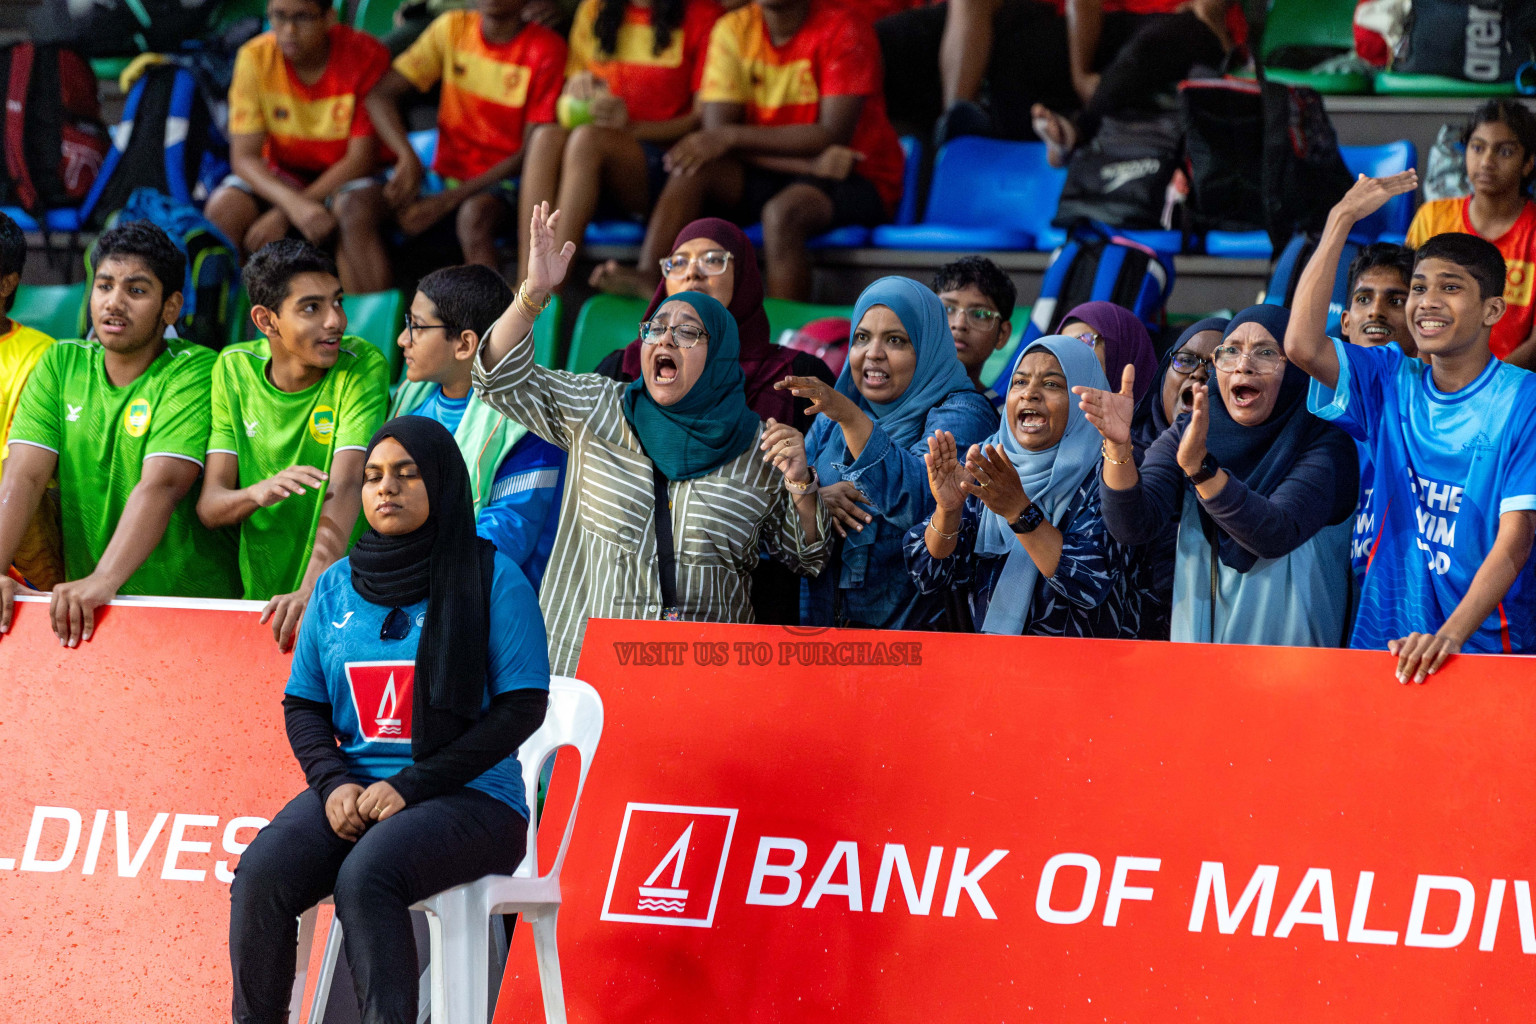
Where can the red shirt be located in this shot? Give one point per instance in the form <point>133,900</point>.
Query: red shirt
<point>833,54</point>
<point>1517,246</point>
<point>654,86</point>
<point>491,91</point>
<point>307,127</point>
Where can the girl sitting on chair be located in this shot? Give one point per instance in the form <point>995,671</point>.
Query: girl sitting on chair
<point>421,667</point>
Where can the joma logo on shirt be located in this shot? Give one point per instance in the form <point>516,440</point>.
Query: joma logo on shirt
<point>136,417</point>
<point>322,424</point>
<point>381,697</point>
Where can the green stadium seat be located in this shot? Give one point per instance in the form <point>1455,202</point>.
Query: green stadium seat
<point>605,322</point>
<point>378,318</point>
<point>108,69</point>
<point>546,335</point>
<point>376,17</point>
<point>55,309</point>
<point>1395,83</point>
<point>1329,83</point>
<point>240,326</point>
<point>1312,25</point>
<point>788,315</point>
<point>1000,360</point>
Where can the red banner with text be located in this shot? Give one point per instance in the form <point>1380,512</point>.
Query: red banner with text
<point>792,825</point>
<point>138,767</point>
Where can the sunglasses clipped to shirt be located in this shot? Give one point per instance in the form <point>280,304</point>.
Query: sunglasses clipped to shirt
<point>397,625</point>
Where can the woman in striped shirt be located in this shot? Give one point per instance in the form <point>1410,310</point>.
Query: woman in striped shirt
<point>683,431</point>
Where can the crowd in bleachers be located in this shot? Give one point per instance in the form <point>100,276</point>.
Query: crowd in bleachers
<point>1258,482</point>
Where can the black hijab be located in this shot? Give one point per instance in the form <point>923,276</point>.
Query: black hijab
<point>444,562</point>
<point>1262,456</point>
<point>1149,419</point>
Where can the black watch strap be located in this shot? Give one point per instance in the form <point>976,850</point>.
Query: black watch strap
<point>1208,468</point>
<point>1028,520</point>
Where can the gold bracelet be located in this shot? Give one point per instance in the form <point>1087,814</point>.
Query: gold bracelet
<point>941,533</point>
<point>1111,459</point>
<point>526,305</point>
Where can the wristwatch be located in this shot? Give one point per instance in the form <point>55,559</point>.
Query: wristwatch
<point>1208,468</point>
<point>1030,518</point>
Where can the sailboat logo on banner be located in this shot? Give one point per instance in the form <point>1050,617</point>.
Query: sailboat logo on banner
<point>669,865</point>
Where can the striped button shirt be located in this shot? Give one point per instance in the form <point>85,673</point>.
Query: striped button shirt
<point>604,561</point>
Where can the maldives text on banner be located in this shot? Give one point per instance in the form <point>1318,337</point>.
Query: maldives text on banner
<point>137,768</point>
<point>785,825</point>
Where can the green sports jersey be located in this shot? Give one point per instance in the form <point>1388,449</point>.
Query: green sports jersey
<point>268,430</point>
<point>102,434</point>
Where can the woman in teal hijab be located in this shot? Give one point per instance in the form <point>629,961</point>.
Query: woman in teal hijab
<point>902,382</point>
<point>1016,527</point>
<point>668,500</point>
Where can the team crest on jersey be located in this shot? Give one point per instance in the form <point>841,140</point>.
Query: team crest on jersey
<point>322,424</point>
<point>381,696</point>
<point>136,417</point>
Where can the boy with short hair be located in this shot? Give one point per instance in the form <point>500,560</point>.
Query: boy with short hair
<point>1455,493</point>
<point>978,300</point>
<point>1500,142</point>
<point>293,412</point>
<point>515,476</point>
<point>500,77</point>
<point>1375,315</point>
<point>794,134</point>
<point>123,421</point>
<point>39,560</point>
<point>302,148</point>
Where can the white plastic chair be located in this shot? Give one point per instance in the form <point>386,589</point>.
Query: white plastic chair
<point>458,920</point>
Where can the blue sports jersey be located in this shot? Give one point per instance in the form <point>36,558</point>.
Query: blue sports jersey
<point>1362,539</point>
<point>447,411</point>
<point>339,660</point>
<point>1447,465</point>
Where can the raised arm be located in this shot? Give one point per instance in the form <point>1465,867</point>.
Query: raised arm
<point>1306,339</point>
<point>547,267</point>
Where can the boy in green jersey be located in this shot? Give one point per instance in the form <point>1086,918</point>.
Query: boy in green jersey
<point>293,412</point>
<point>124,421</point>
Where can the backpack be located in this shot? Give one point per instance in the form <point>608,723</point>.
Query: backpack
<point>1475,40</point>
<point>1092,266</point>
<point>1261,157</point>
<point>55,141</point>
<point>1287,272</point>
<point>167,140</point>
<point>120,28</point>
<point>1121,177</point>
<point>213,268</point>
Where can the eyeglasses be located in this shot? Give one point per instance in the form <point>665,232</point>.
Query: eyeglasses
<point>411,327</point>
<point>1263,360</point>
<point>397,625</point>
<point>1090,338</point>
<point>1188,362</point>
<point>977,315</point>
<point>713,263</point>
<point>654,332</point>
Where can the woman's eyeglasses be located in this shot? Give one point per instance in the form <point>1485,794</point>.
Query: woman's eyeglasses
<point>397,625</point>
<point>1263,360</point>
<point>654,332</point>
<point>712,263</point>
<point>979,316</point>
<point>1188,362</point>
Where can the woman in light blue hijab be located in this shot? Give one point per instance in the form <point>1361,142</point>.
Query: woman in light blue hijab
<point>1016,527</point>
<point>901,384</point>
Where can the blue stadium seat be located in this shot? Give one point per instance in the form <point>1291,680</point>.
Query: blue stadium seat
<point>986,194</point>
<point>1391,220</point>
<point>614,232</point>
<point>911,179</point>
<point>53,220</point>
<point>850,237</point>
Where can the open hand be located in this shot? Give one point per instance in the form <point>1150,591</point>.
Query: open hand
<point>286,484</point>
<point>1367,195</point>
<point>379,801</point>
<point>1192,447</point>
<point>824,398</point>
<point>995,481</point>
<point>944,472</point>
<point>843,500</point>
<point>1420,655</point>
<point>1110,412</point>
<point>547,266</point>
<point>341,811</point>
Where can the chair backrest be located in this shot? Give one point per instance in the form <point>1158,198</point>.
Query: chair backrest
<point>546,334</point>
<point>424,143</point>
<point>375,17</point>
<point>911,179</point>
<point>54,309</point>
<point>1377,162</point>
<point>789,315</point>
<point>994,183</point>
<point>574,719</point>
<point>377,317</point>
<point>606,322</point>
<point>1319,23</point>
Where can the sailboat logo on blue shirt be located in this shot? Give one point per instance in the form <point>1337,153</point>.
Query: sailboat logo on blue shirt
<point>381,699</point>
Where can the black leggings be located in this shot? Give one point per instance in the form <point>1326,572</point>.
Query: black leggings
<point>1158,51</point>
<point>298,860</point>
